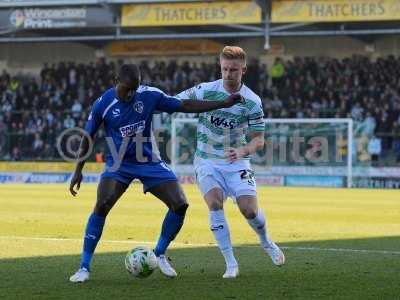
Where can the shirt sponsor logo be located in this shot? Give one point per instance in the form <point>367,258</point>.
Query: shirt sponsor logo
<point>132,129</point>
<point>222,122</point>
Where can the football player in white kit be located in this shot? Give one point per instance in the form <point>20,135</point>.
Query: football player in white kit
<point>222,159</point>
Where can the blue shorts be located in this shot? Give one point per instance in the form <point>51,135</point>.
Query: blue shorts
<point>150,174</point>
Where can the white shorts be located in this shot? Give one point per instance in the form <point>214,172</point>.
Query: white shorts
<point>234,179</point>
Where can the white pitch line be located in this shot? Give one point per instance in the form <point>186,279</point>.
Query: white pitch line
<point>343,250</point>
<point>49,239</point>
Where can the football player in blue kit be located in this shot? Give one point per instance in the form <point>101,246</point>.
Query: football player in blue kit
<point>126,112</point>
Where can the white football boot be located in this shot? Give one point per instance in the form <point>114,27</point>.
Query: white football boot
<point>276,254</point>
<point>165,267</point>
<point>231,272</point>
<point>80,276</point>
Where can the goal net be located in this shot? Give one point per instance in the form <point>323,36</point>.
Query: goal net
<point>310,152</point>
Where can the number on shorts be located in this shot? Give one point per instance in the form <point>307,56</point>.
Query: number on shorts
<point>247,175</point>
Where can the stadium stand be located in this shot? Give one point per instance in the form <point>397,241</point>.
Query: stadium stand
<point>35,110</point>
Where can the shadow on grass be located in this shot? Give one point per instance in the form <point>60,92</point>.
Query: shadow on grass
<point>308,274</point>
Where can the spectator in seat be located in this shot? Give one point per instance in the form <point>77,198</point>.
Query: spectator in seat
<point>375,149</point>
<point>76,109</point>
<point>396,140</point>
<point>16,154</point>
<point>277,72</point>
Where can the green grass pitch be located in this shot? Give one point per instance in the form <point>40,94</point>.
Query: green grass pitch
<point>339,244</point>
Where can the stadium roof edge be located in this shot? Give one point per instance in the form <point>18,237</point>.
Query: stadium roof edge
<point>123,37</point>
<point>33,3</point>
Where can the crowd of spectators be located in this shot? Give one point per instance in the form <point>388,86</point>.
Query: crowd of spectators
<point>34,111</point>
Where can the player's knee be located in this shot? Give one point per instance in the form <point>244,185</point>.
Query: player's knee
<point>249,213</point>
<point>181,209</point>
<point>103,207</point>
<point>215,205</point>
<point>101,211</point>
<point>214,199</point>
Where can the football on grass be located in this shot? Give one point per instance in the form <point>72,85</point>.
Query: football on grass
<point>140,262</point>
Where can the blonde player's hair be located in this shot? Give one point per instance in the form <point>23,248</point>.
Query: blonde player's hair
<point>233,52</point>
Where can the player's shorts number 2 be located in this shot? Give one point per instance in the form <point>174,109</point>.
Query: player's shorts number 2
<point>247,175</point>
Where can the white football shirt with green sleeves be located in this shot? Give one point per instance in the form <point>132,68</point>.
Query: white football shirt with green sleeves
<point>226,127</point>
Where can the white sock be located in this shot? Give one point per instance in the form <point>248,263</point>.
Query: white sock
<point>220,229</point>
<point>260,227</point>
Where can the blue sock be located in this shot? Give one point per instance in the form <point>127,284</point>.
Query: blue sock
<point>170,228</point>
<point>94,229</point>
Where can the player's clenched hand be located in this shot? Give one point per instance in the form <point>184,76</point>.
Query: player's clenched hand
<point>233,99</point>
<point>76,180</point>
<point>233,154</point>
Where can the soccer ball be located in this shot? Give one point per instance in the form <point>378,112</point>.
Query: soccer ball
<point>140,262</point>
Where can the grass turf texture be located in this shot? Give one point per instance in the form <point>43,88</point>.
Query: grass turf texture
<point>316,226</point>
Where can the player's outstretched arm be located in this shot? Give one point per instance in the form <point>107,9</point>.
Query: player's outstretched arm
<point>77,176</point>
<point>197,106</point>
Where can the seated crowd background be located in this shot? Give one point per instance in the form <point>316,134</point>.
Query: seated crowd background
<point>34,110</point>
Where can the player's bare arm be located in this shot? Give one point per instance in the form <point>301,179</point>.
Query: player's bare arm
<point>196,106</point>
<point>256,143</point>
<point>77,176</point>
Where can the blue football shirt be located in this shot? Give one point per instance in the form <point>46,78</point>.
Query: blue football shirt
<point>128,123</point>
